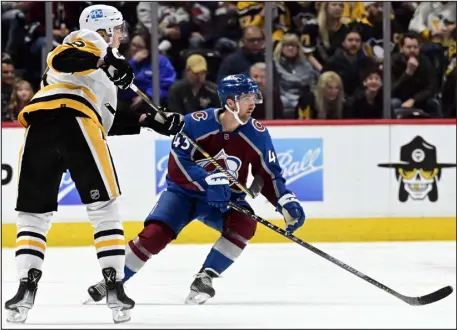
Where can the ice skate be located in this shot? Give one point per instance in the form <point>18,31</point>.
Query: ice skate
<point>18,307</point>
<point>96,292</point>
<point>119,303</point>
<point>201,288</point>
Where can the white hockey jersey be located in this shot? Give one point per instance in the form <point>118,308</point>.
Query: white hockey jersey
<point>90,92</point>
<point>433,16</point>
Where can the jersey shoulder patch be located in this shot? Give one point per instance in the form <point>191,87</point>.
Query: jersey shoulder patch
<point>201,122</point>
<point>199,115</point>
<point>255,132</point>
<point>258,125</point>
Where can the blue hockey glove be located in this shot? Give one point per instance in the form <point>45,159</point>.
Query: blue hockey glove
<point>218,191</point>
<point>290,208</point>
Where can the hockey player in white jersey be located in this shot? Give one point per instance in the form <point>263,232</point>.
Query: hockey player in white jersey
<point>67,123</point>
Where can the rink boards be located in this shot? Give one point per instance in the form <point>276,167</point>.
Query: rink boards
<point>333,168</point>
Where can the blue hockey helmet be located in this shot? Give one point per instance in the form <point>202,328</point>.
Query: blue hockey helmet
<point>235,86</point>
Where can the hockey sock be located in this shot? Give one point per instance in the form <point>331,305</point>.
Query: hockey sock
<point>136,257</point>
<point>224,252</point>
<point>109,238</point>
<point>110,247</point>
<point>133,261</point>
<point>31,241</point>
<point>153,238</point>
<point>127,274</point>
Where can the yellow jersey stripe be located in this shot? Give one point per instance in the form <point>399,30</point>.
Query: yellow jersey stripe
<point>113,242</point>
<point>31,243</point>
<point>86,90</point>
<point>98,146</point>
<point>55,102</point>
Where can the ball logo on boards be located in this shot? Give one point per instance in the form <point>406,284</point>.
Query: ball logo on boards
<point>300,159</point>
<point>418,171</point>
<point>68,195</point>
<point>162,149</point>
<point>302,163</point>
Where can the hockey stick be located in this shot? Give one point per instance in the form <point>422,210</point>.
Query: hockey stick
<point>442,293</point>
<point>257,186</point>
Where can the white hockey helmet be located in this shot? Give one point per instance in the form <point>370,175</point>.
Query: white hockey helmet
<point>103,17</point>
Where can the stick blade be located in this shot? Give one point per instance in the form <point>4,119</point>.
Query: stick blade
<point>432,297</point>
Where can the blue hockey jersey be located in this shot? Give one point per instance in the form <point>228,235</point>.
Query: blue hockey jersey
<point>249,144</point>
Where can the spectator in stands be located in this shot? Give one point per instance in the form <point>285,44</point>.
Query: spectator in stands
<point>371,30</point>
<point>8,77</point>
<point>357,10</point>
<point>304,22</point>
<point>321,38</point>
<point>403,12</point>
<point>252,13</point>
<point>294,72</point>
<point>368,100</point>
<point>258,73</point>
<point>227,32</point>
<point>349,61</point>
<point>216,30</point>
<point>13,26</point>
<point>251,52</point>
<point>65,20</point>
<point>449,94</point>
<point>434,21</point>
<point>140,60</point>
<point>198,32</point>
<point>413,78</point>
<point>20,96</point>
<point>193,92</point>
<point>171,15</point>
<point>325,102</point>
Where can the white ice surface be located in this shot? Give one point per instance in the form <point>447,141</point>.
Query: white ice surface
<point>270,286</point>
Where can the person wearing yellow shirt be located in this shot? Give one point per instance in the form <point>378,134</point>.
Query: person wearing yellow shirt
<point>253,13</point>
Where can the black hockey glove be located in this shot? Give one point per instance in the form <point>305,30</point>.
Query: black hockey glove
<point>172,125</point>
<point>122,75</point>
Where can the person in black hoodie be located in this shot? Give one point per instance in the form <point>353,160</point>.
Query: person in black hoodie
<point>349,61</point>
<point>367,102</point>
<point>414,82</point>
<point>251,53</point>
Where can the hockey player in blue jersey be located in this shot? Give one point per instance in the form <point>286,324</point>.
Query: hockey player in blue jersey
<point>196,190</point>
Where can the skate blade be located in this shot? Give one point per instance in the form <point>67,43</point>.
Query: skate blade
<point>197,298</point>
<point>90,301</point>
<point>17,316</point>
<point>121,315</point>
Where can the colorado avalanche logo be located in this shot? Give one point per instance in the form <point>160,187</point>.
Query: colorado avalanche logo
<point>199,115</point>
<point>258,126</point>
<point>231,163</point>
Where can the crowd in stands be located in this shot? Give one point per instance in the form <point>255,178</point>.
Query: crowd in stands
<point>327,56</point>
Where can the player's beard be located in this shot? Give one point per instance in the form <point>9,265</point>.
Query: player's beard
<point>245,117</point>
